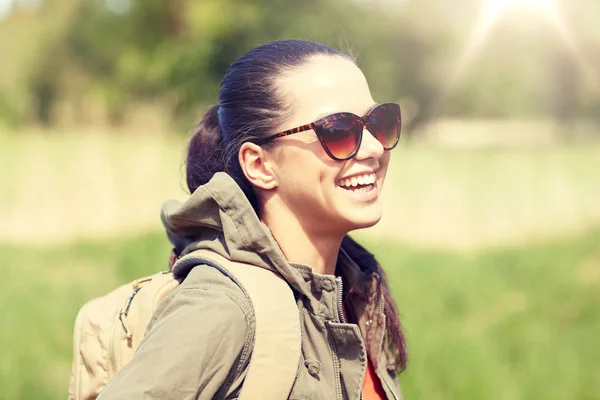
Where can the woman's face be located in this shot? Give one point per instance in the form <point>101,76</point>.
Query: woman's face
<point>315,188</point>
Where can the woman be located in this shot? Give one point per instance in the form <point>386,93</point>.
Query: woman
<point>290,195</point>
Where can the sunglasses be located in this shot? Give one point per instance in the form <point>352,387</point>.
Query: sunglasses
<point>341,134</point>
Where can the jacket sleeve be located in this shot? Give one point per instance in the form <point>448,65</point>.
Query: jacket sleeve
<point>193,348</point>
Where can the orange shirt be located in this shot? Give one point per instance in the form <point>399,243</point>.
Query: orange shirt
<point>372,389</point>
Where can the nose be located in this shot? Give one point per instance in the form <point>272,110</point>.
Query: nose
<point>370,147</point>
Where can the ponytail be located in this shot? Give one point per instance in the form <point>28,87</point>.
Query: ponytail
<point>205,153</point>
<point>208,154</point>
<point>395,340</point>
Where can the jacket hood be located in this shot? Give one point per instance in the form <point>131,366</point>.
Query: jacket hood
<point>219,217</point>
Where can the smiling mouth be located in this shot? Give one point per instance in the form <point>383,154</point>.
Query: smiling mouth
<point>358,184</point>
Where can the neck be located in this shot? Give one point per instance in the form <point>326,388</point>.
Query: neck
<point>300,245</point>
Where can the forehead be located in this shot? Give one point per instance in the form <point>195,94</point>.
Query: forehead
<point>324,85</point>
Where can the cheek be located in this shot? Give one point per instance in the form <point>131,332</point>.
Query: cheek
<point>384,161</point>
<point>318,150</point>
<point>306,172</point>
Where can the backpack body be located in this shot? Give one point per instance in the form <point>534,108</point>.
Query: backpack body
<point>108,329</point>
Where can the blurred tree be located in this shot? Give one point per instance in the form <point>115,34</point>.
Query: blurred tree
<point>176,52</point>
<point>564,101</point>
<point>123,53</point>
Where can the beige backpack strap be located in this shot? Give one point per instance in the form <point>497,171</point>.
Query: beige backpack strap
<point>276,353</point>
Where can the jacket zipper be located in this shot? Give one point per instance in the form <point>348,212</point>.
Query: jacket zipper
<point>340,298</point>
<point>336,368</point>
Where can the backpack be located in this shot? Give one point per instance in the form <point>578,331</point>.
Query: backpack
<point>108,329</point>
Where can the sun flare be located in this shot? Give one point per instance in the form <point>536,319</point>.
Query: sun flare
<point>494,10</point>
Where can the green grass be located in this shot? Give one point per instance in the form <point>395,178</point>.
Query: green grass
<point>513,323</point>
<point>519,323</point>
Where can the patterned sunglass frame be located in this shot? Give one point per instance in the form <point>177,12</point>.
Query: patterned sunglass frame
<point>361,122</point>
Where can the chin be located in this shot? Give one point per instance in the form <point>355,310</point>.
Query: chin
<point>364,221</point>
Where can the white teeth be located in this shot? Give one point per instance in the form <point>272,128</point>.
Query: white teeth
<point>367,179</point>
<point>363,189</point>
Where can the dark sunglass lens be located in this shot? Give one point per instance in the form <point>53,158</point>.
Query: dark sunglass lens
<point>341,137</point>
<point>385,125</point>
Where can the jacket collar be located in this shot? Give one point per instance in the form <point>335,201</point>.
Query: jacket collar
<point>219,217</point>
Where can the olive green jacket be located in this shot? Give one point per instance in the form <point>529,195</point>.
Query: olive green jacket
<point>199,341</point>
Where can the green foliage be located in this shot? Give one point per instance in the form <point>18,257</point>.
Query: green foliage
<point>177,52</point>
<point>174,53</point>
<point>518,323</point>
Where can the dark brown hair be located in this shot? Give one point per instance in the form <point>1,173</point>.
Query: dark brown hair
<point>248,109</point>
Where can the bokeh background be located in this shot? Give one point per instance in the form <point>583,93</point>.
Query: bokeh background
<point>491,231</point>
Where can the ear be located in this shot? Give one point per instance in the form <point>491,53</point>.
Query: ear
<point>257,166</point>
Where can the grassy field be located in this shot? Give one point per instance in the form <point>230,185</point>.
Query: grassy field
<point>62,187</point>
<point>509,324</point>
